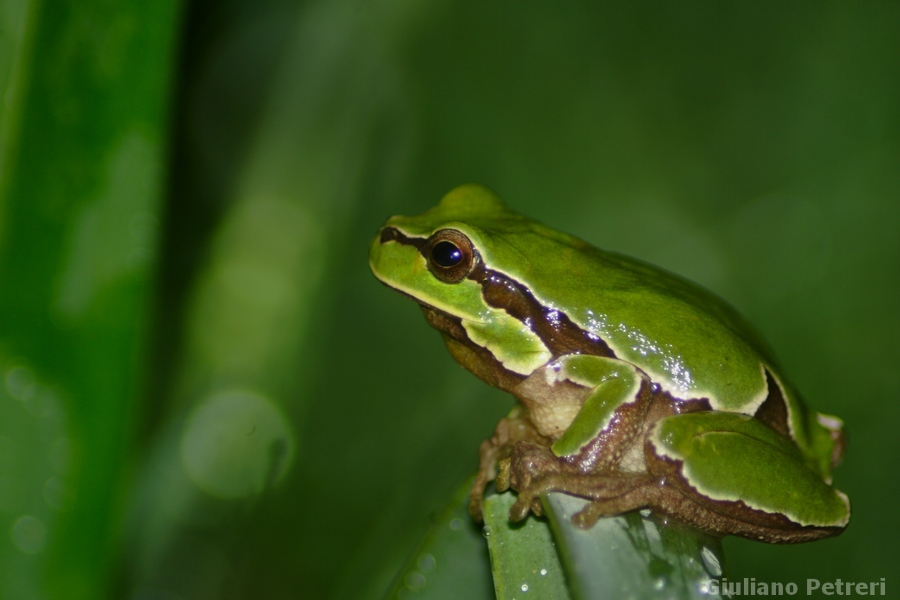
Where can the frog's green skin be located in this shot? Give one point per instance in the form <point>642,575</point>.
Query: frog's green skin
<point>637,388</point>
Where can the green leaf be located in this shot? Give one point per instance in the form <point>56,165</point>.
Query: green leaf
<point>450,562</point>
<point>524,560</point>
<point>633,555</point>
<point>81,178</point>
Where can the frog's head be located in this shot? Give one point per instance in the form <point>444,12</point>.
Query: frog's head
<point>460,261</point>
<point>437,257</point>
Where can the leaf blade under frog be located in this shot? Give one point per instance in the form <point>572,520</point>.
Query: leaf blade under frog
<point>633,555</point>
<point>524,560</point>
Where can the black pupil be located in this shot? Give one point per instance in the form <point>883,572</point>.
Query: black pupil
<point>446,254</point>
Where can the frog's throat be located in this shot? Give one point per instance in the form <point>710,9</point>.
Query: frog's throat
<point>473,357</point>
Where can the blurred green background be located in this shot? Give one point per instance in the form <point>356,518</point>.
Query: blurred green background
<point>205,394</point>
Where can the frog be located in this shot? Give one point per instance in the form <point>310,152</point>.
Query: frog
<point>636,388</point>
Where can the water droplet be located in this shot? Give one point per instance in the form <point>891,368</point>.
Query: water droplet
<point>414,580</point>
<point>524,587</point>
<point>486,531</point>
<point>543,572</point>
<point>426,563</point>
<point>711,561</point>
<point>652,531</point>
<point>29,534</point>
<point>456,524</point>
<point>659,583</point>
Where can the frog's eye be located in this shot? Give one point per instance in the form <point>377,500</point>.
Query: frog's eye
<point>450,255</point>
<point>445,254</point>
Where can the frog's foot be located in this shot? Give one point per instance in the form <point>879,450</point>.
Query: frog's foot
<point>509,431</point>
<point>533,470</point>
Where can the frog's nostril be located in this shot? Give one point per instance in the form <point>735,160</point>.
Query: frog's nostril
<point>389,234</point>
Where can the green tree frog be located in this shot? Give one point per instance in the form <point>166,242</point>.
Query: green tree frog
<point>637,388</point>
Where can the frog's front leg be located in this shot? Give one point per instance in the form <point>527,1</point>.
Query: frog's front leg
<point>512,429</point>
<point>538,470</point>
<point>599,455</point>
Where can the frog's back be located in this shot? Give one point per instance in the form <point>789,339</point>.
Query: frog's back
<point>687,339</point>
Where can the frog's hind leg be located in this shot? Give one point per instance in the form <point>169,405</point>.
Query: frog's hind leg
<point>533,470</point>
<point>611,493</point>
<point>664,498</point>
<point>731,474</point>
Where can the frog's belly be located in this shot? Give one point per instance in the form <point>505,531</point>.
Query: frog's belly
<point>552,421</point>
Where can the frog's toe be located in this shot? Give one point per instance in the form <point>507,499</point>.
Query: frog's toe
<point>476,497</point>
<point>588,516</point>
<point>503,476</point>
<point>530,461</point>
<point>585,518</point>
<point>519,510</point>
<point>529,499</point>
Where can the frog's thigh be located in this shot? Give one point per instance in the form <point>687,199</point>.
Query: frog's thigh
<point>730,463</point>
<point>615,387</point>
